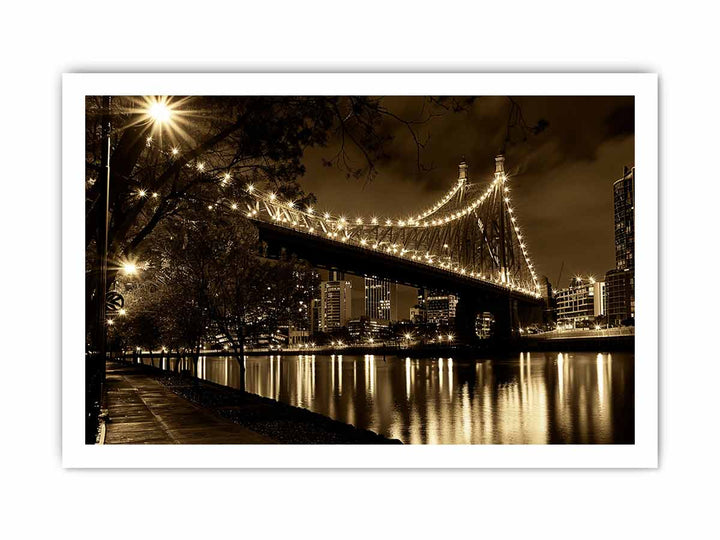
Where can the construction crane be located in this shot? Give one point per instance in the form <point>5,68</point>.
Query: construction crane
<point>557,283</point>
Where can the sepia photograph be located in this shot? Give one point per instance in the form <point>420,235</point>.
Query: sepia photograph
<point>359,269</point>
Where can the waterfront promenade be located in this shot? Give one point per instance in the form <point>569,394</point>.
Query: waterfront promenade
<point>147,405</point>
<point>143,411</point>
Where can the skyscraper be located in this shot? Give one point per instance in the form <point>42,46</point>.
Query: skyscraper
<point>620,282</point>
<point>335,303</point>
<point>380,299</point>
<point>624,205</point>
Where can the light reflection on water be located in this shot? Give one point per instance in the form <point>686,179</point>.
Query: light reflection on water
<point>533,398</point>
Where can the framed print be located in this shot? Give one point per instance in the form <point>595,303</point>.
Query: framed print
<point>414,270</point>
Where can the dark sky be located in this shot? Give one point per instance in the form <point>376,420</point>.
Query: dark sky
<point>561,178</point>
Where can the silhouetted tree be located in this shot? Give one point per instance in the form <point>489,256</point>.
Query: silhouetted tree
<point>201,155</point>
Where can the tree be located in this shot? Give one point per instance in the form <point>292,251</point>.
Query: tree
<point>204,281</point>
<point>163,158</point>
<point>204,150</point>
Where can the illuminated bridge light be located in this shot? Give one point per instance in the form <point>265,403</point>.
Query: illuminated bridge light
<point>453,217</point>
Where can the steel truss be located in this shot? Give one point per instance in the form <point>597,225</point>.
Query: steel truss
<point>472,230</point>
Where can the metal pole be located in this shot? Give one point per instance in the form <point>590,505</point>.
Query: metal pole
<point>104,266</point>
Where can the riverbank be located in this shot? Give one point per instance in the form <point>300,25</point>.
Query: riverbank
<point>609,343</point>
<point>218,414</point>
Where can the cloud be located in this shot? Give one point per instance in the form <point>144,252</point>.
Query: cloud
<point>562,177</point>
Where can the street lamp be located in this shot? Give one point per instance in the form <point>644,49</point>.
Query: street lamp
<point>159,111</point>
<point>130,268</point>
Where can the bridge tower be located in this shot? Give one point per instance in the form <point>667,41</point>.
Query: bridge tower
<point>462,179</point>
<point>469,242</point>
<point>499,189</point>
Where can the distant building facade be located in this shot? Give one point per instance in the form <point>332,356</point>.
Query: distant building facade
<point>624,206</point>
<point>366,329</point>
<point>620,282</point>
<point>581,302</point>
<point>484,325</point>
<point>315,315</point>
<point>550,308</point>
<point>335,304</point>
<point>417,315</point>
<point>381,299</point>
<point>440,307</point>
<point>620,287</point>
<point>600,301</point>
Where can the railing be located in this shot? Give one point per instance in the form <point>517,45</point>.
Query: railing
<point>584,333</point>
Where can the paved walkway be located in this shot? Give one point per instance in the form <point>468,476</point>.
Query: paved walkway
<point>143,411</point>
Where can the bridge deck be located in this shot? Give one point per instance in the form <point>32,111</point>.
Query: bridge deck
<point>323,252</point>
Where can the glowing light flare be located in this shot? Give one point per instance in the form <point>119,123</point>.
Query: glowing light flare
<point>129,268</point>
<point>159,111</point>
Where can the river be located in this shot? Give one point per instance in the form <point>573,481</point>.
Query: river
<point>529,398</point>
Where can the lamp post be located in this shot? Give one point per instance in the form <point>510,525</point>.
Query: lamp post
<point>158,113</point>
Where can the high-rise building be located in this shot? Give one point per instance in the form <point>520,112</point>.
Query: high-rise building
<point>624,205</point>
<point>335,304</point>
<point>550,309</point>
<point>418,313</point>
<point>441,307</point>
<point>620,282</point>
<point>620,289</point>
<point>380,299</point>
<point>315,316</point>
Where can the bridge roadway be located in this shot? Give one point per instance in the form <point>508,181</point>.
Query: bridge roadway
<point>511,309</point>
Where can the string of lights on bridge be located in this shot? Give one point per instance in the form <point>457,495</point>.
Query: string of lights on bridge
<point>285,213</point>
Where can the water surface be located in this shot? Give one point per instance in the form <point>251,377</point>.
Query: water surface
<point>530,398</point>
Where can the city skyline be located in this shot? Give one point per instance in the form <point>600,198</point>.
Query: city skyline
<point>620,298</point>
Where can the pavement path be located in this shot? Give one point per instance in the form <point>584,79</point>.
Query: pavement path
<point>143,411</point>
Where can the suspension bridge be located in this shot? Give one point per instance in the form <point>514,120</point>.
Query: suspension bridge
<point>468,243</point>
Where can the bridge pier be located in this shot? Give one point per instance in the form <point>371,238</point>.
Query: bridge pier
<point>509,316</point>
